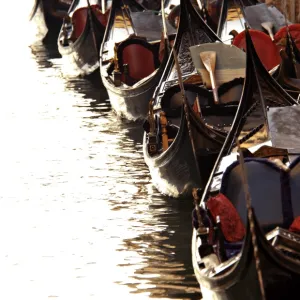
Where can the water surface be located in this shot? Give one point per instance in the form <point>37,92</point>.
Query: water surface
<point>79,217</point>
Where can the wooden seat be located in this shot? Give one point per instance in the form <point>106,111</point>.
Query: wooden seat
<point>140,56</point>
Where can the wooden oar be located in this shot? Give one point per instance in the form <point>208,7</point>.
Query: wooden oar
<point>209,61</point>
<point>268,26</point>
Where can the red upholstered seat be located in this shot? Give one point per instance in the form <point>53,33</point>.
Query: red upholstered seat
<point>80,17</point>
<point>265,48</point>
<point>141,57</point>
<point>231,223</point>
<point>140,61</point>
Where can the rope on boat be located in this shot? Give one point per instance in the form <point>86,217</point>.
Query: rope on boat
<point>92,26</point>
<point>250,134</point>
<point>251,221</point>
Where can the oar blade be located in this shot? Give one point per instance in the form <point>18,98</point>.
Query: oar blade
<point>209,60</point>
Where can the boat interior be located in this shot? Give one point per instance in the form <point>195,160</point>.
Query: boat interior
<point>217,117</point>
<point>273,181</point>
<point>134,48</point>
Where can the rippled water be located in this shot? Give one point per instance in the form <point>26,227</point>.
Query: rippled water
<point>79,217</point>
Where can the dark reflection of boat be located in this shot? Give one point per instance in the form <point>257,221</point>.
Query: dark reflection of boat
<point>80,38</point>
<point>48,17</point>
<point>130,61</point>
<point>43,53</point>
<point>234,268</point>
<point>173,170</point>
<point>165,269</point>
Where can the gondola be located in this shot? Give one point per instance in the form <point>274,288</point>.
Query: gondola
<point>80,38</point>
<point>48,18</point>
<point>173,170</point>
<point>130,60</point>
<point>225,262</point>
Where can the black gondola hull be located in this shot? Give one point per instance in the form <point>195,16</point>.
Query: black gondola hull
<point>174,172</point>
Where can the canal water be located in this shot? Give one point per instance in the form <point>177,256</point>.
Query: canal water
<point>79,216</point>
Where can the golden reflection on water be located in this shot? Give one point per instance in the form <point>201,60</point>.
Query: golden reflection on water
<point>79,218</point>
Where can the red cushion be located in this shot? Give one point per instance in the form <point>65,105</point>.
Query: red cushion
<point>79,19</point>
<point>231,223</point>
<point>265,48</point>
<point>295,227</point>
<point>139,59</point>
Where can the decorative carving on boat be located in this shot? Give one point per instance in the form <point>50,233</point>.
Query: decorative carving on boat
<point>184,56</point>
